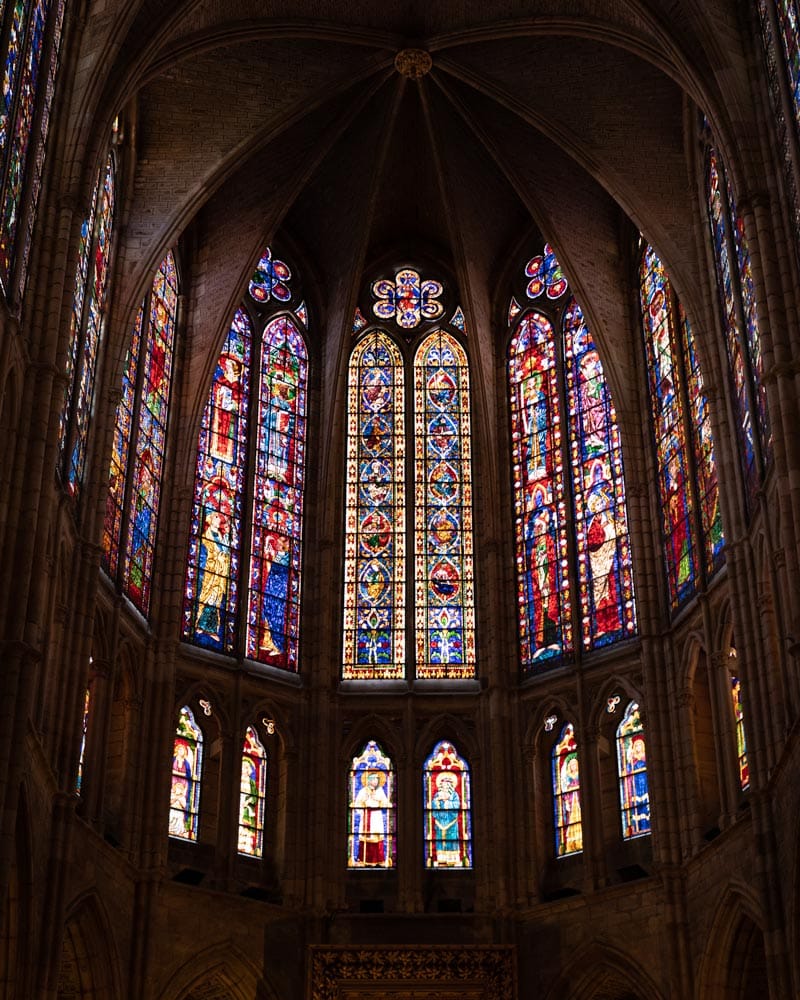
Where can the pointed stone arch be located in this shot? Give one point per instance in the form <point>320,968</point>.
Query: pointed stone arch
<point>89,960</point>
<point>734,965</point>
<point>602,972</point>
<point>221,972</point>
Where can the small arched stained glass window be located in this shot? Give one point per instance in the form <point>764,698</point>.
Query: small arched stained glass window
<point>84,731</point>
<point>252,795</point>
<point>447,808</point>
<point>444,599</point>
<point>738,717</point>
<point>567,822</point>
<point>371,810</point>
<point>634,797</point>
<point>187,767</point>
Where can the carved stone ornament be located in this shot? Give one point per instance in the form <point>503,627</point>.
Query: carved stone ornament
<point>413,63</point>
<point>418,972</point>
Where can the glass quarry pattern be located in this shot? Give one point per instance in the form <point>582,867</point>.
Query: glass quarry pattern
<point>90,323</point>
<point>187,766</point>
<point>704,459</point>
<point>408,299</point>
<point>212,578</point>
<point>543,587</point>
<point>142,482</point>
<point>444,590</point>
<point>447,809</point>
<point>28,85</point>
<point>634,798</point>
<point>375,569</point>
<point>252,795</point>
<point>371,841</point>
<point>718,219</point>
<point>605,577</point>
<point>567,824</point>
<point>545,275</point>
<point>669,428</point>
<point>274,599</point>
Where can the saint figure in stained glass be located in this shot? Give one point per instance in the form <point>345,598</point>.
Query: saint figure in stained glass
<point>252,795</point>
<point>634,797</point>
<point>567,822</point>
<point>187,760</point>
<point>371,840</point>
<point>447,807</point>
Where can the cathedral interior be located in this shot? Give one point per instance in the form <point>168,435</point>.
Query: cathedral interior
<point>399,500</point>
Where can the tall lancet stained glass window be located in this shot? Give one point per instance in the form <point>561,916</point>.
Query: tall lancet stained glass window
<point>447,808</point>
<point>139,443</point>
<point>243,578</point>
<point>252,795</point>
<point>683,437</point>
<point>634,797</point>
<point>31,38</point>
<point>371,810</point>
<point>380,461</point>
<point>187,770</point>
<point>86,327</point>
<point>566,777</point>
<point>740,320</point>
<point>573,558</point>
<point>444,597</point>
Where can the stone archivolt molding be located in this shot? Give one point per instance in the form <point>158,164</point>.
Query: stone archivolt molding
<point>412,973</point>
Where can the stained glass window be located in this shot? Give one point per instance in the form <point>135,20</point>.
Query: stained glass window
<point>266,345</point>
<point>545,372</point>
<point>371,810</point>
<point>738,716</point>
<point>408,299</point>
<point>444,591</point>
<point>212,579</point>
<point>543,587</point>
<point>684,447</point>
<point>86,327</point>
<point>605,577</point>
<point>252,795</point>
<point>375,569</point>
<point>187,766</point>
<point>447,809</point>
<point>704,459</point>
<point>731,263</point>
<point>567,824</point>
<point>274,604</point>
<point>634,798</point>
<point>84,730</point>
<point>30,65</point>
<point>137,455</point>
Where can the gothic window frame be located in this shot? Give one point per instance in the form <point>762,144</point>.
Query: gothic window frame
<point>194,777</point>
<point>550,303</point>
<point>633,792</point>
<point>690,402</point>
<point>118,537</point>
<point>236,619</point>
<point>561,813</point>
<point>363,798</point>
<point>437,825</point>
<point>255,797</point>
<point>408,666</point>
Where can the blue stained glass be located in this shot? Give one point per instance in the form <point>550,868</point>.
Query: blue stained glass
<point>448,809</point>
<point>444,602</point>
<point>270,279</point>
<point>212,578</point>
<point>567,814</point>
<point>371,813</point>
<point>274,600</point>
<point>408,299</point>
<point>375,574</point>
<point>545,275</point>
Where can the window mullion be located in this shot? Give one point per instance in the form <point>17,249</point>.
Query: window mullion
<point>411,536</point>
<point>248,479</point>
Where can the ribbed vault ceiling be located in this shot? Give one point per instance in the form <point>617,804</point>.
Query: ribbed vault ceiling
<point>258,121</point>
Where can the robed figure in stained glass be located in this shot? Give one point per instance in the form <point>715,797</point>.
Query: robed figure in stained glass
<point>567,794</point>
<point>371,822</point>
<point>226,400</point>
<point>186,770</point>
<point>448,837</point>
<point>632,764</point>
<point>214,564</point>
